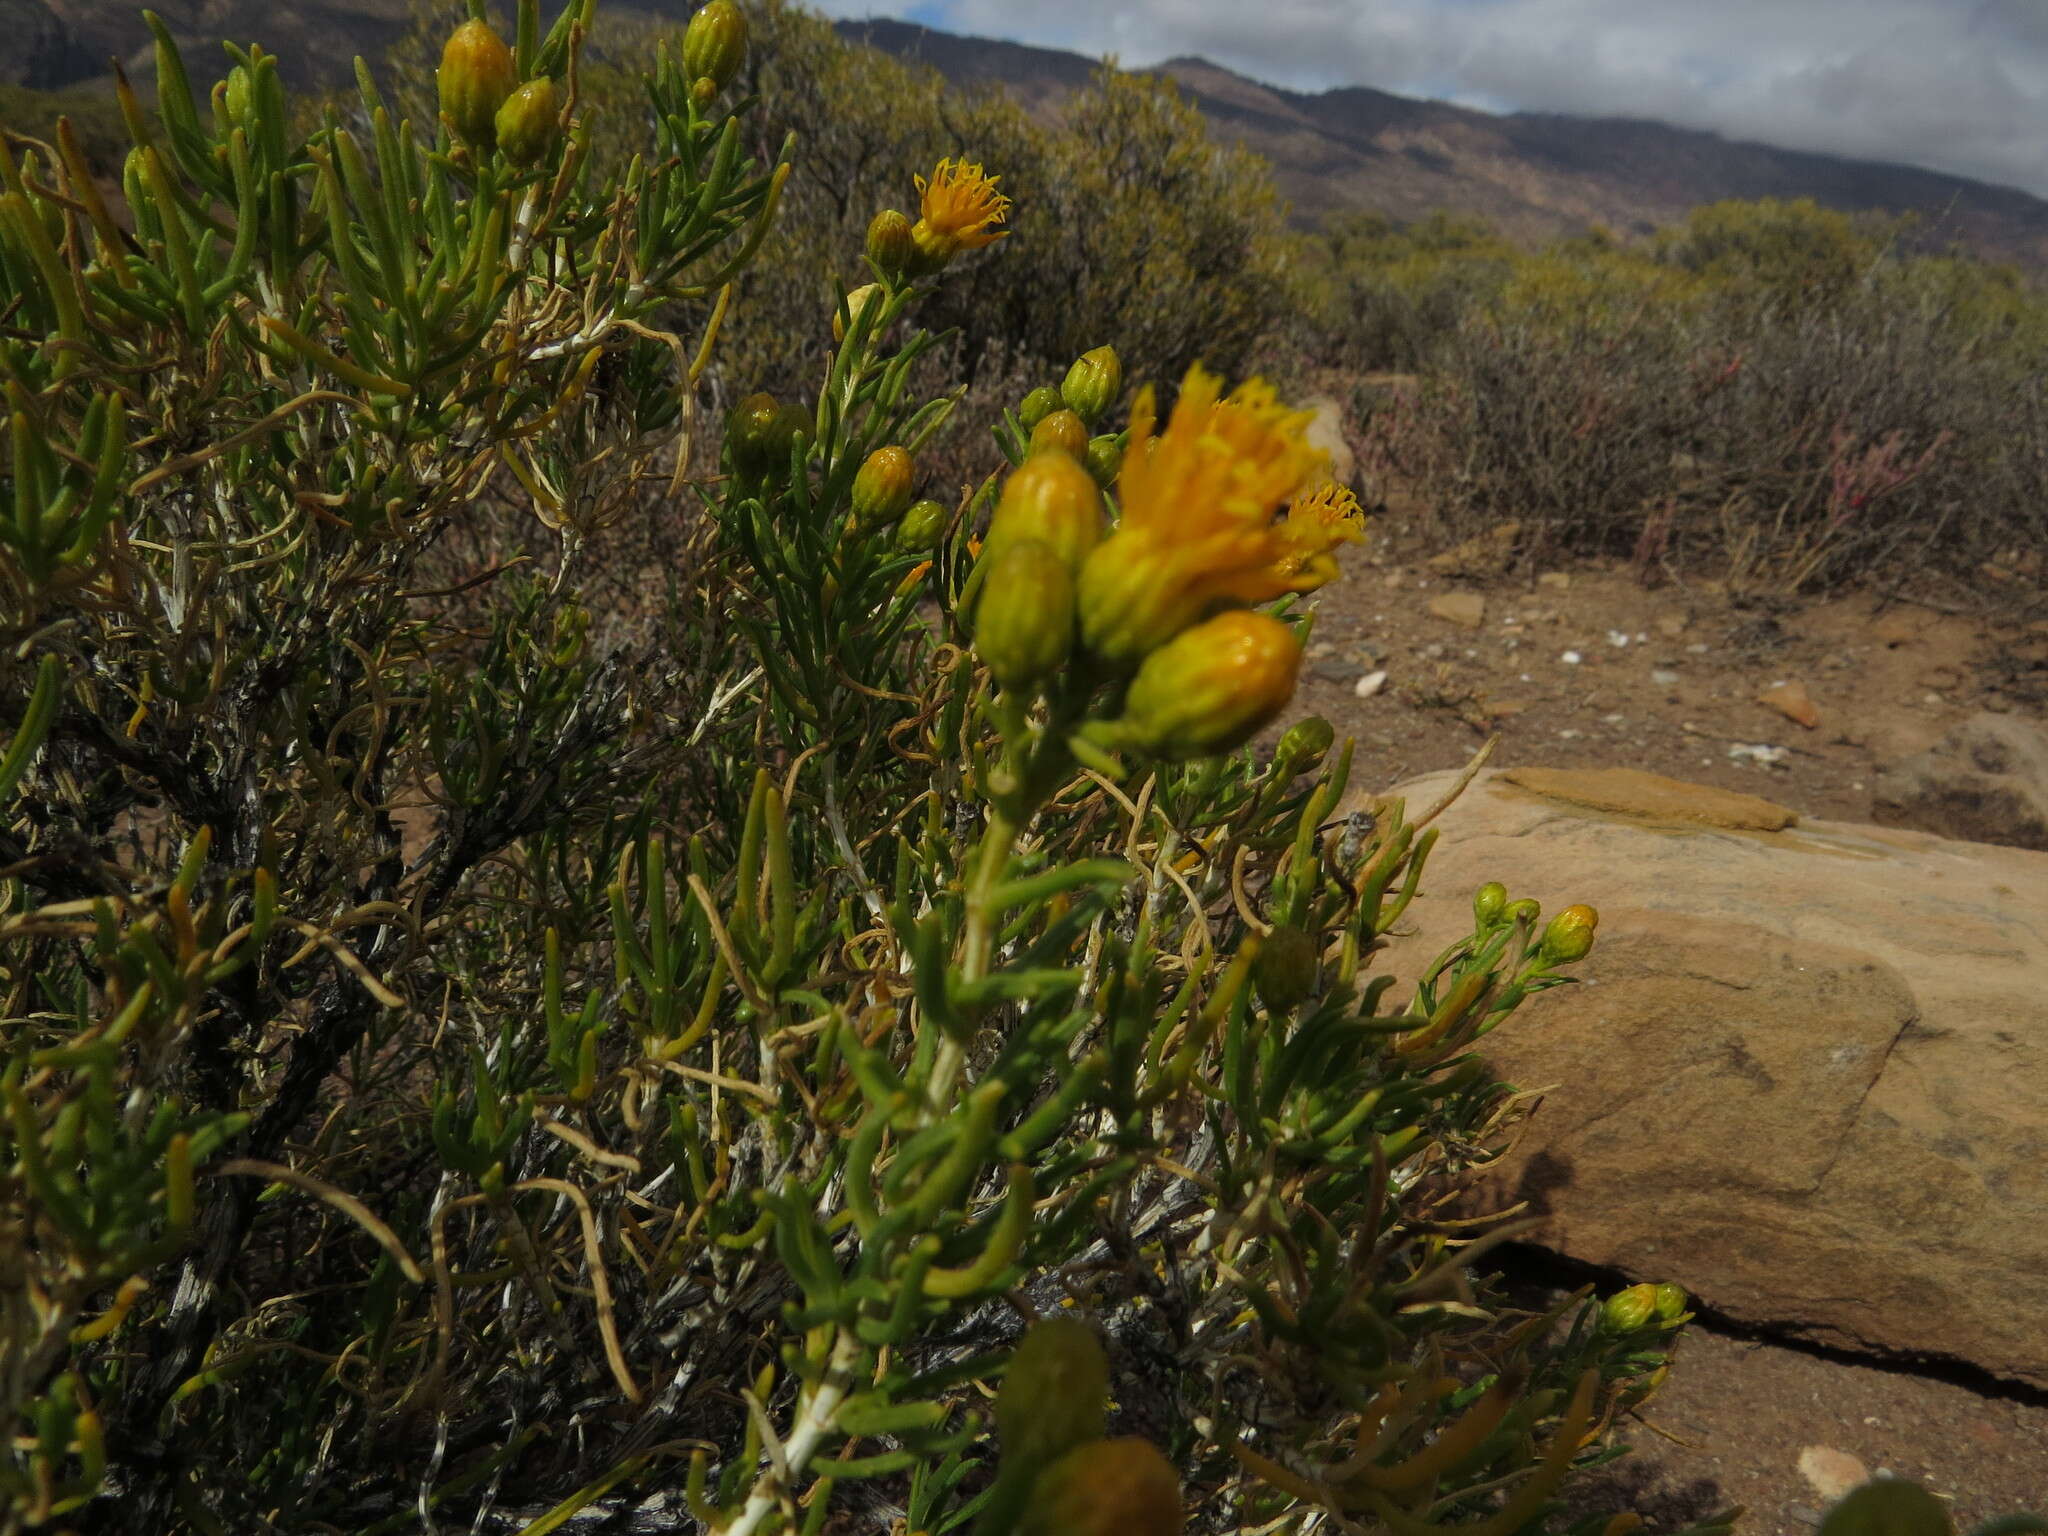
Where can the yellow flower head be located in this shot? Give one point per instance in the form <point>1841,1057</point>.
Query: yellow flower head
<point>1317,521</point>
<point>956,208</point>
<point>1198,526</point>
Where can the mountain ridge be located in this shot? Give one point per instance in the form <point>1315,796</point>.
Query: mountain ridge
<point>1534,176</point>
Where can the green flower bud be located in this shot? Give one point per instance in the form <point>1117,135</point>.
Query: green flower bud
<point>703,92</point>
<point>922,527</point>
<point>889,246</point>
<point>475,77</point>
<point>1024,621</point>
<point>1286,969</point>
<point>1570,935</point>
<point>529,122</point>
<point>1306,744</point>
<point>714,43</point>
<point>1211,688</point>
<point>1036,406</point>
<point>1062,430</point>
<point>1121,1487</point>
<point>1055,1394</point>
<point>1050,498</point>
<point>857,303</point>
<point>1528,909</point>
<point>1104,459</point>
<point>1671,1302</point>
<point>1488,902</point>
<point>1626,1311</point>
<point>882,487</point>
<point>1888,1506</point>
<point>1093,384</point>
<point>759,434</point>
<point>239,98</point>
<point>1131,601</point>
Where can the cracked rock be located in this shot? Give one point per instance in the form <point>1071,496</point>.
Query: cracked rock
<point>1811,1085</point>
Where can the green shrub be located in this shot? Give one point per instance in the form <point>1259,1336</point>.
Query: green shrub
<point>544,977</point>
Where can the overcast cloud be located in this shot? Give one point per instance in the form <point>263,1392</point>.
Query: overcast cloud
<point>1955,85</point>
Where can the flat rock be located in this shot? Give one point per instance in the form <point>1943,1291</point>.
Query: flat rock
<point>1465,609</point>
<point>1489,554</point>
<point>1986,781</point>
<point>1807,1078</point>
<point>1651,797</point>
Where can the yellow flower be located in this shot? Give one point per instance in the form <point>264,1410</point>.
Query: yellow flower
<point>1317,521</point>
<point>956,208</point>
<point>1198,529</point>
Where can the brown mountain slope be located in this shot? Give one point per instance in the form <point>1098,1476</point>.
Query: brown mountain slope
<point>1534,175</point>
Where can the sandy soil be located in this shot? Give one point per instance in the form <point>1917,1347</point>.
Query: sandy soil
<point>1588,668</point>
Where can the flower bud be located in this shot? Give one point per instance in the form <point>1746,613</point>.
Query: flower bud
<point>528,123</point>
<point>1488,902</point>
<point>714,43</point>
<point>1527,909</point>
<point>1121,1487</point>
<point>922,527</point>
<point>1131,603</point>
<point>1626,1311</point>
<point>882,487</point>
<point>1049,498</point>
<point>1306,744</point>
<point>1062,430</point>
<point>1888,1506</point>
<point>1211,688</point>
<point>1104,458</point>
<point>1055,1395</point>
<point>759,434</point>
<point>889,246</point>
<point>239,97</point>
<point>1671,1302</point>
<point>1570,935</point>
<point>856,304</point>
<point>1093,384</point>
<point>1286,969</point>
<point>1024,621</point>
<point>475,77</point>
<point>1036,406</point>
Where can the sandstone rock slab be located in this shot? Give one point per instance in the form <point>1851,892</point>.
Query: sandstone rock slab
<point>1806,1078</point>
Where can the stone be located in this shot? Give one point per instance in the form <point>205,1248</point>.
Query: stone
<point>1671,625</point>
<point>1369,685</point>
<point>1791,700</point>
<point>1326,433</point>
<point>1465,609</point>
<point>1557,581</point>
<point>1985,782</point>
<point>1650,798</point>
<point>1831,1473</point>
<point>1808,1080</point>
<point>1489,554</point>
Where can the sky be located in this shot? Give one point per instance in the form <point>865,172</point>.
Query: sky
<point>1953,85</point>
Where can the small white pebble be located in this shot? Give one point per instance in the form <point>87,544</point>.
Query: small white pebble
<point>1664,678</point>
<point>1697,648</point>
<point>1614,719</point>
<point>1571,658</point>
<point>1569,735</point>
<point>1617,638</point>
<point>1369,684</point>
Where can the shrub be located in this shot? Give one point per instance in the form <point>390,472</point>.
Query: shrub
<point>471,1047</point>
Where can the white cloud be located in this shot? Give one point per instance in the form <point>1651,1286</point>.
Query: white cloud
<point>1949,84</point>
